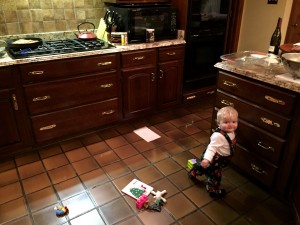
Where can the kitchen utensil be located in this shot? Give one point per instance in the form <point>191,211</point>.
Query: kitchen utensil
<point>291,62</point>
<point>21,43</point>
<point>86,35</point>
<point>112,20</point>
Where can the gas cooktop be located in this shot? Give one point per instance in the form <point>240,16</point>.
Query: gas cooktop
<point>57,47</point>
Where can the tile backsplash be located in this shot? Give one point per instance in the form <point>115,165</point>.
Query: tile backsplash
<point>39,16</point>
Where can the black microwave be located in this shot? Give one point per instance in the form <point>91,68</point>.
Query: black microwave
<point>136,19</point>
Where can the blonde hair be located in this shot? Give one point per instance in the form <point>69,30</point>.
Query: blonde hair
<point>226,111</point>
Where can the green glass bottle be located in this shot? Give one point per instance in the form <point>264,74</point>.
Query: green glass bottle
<point>276,38</point>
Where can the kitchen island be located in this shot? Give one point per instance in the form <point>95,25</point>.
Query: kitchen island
<point>56,97</point>
<point>269,123</point>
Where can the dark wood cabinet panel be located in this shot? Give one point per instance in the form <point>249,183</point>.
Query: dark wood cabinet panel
<point>49,96</point>
<point>271,98</point>
<point>15,131</point>
<point>9,133</point>
<point>254,114</point>
<point>45,71</point>
<point>169,83</point>
<point>256,167</point>
<point>68,122</point>
<point>138,58</point>
<point>139,91</point>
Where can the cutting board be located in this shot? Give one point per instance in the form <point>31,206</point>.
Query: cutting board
<point>101,33</point>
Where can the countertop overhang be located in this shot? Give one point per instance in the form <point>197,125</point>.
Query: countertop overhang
<point>261,75</point>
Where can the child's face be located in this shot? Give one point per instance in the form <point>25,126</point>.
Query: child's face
<point>228,124</point>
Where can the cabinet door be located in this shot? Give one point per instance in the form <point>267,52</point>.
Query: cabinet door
<point>9,133</point>
<point>169,83</point>
<point>139,91</point>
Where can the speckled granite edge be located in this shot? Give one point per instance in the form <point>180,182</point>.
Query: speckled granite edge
<point>261,75</point>
<point>7,61</point>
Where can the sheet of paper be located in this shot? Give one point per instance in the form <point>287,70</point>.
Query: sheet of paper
<point>147,134</point>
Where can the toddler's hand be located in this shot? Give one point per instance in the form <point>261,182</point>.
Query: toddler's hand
<point>204,163</point>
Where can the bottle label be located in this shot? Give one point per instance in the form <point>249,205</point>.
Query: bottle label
<point>271,49</point>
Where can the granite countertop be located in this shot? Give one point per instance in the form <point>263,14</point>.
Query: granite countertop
<point>279,77</point>
<point>7,61</point>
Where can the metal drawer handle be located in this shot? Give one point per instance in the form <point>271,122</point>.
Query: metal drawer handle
<point>230,84</point>
<point>225,102</point>
<point>15,102</point>
<point>269,122</point>
<point>153,77</point>
<point>104,63</point>
<point>40,72</point>
<point>108,112</point>
<point>106,85</point>
<point>258,169</point>
<point>210,92</point>
<point>264,146</point>
<point>48,127</point>
<point>274,100</point>
<point>171,53</point>
<point>191,97</point>
<point>161,74</point>
<point>138,58</point>
<point>42,98</point>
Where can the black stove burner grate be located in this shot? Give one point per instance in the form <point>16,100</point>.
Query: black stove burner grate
<point>57,47</point>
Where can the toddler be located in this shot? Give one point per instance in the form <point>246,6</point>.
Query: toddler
<point>219,151</point>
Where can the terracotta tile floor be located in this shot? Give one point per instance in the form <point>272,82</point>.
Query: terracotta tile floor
<point>87,173</point>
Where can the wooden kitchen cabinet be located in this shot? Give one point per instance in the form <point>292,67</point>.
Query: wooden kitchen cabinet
<point>14,132</point>
<point>266,127</point>
<point>139,82</point>
<point>152,80</point>
<point>72,96</point>
<point>170,72</point>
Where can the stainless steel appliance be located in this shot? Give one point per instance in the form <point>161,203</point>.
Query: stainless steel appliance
<point>59,47</point>
<point>135,19</point>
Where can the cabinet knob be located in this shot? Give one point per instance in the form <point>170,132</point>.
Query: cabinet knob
<point>15,102</point>
<point>171,53</point>
<point>230,84</point>
<point>274,100</point>
<point>257,169</point>
<point>269,122</point>
<point>138,58</point>
<point>153,76</point>
<point>106,85</point>
<point>264,146</point>
<point>40,72</point>
<point>49,127</point>
<point>42,98</point>
<point>228,103</point>
<point>108,112</point>
<point>104,63</point>
<point>161,74</point>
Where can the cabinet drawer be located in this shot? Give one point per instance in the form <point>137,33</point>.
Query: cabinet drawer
<point>259,142</point>
<point>75,120</point>
<point>264,119</point>
<point>195,96</point>
<point>254,166</point>
<point>68,67</point>
<point>55,95</point>
<point>6,78</point>
<point>138,58</point>
<point>171,53</point>
<point>268,97</point>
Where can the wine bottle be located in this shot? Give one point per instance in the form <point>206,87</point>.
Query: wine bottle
<point>276,38</point>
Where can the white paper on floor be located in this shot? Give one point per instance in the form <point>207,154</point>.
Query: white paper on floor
<point>147,134</point>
